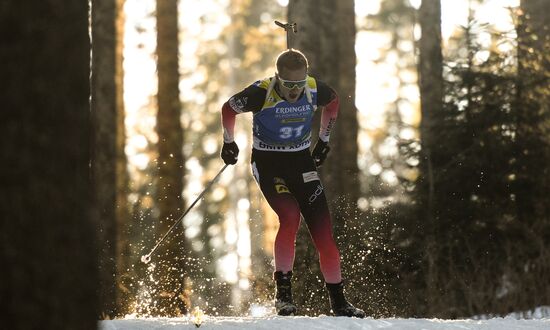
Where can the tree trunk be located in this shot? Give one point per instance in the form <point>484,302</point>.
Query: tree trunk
<point>48,238</point>
<point>431,99</point>
<point>105,112</point>
<point>338,62</point>
<point>306,14</point>
<point>532,183</point>
<point>124,281</point>
<point>171,270</point>
<point>533,109</point>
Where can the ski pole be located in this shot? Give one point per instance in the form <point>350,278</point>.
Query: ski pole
<point>288,27</point>
<point>146,258</point>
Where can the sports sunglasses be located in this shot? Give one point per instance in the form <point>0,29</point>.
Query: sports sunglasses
<point>290,84</point>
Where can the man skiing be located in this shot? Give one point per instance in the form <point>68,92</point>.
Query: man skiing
<point>286,170</point>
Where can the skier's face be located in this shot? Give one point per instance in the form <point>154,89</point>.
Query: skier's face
<point>292,83</point>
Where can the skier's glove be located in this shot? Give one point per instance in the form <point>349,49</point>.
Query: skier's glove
<point>320,152</point>
<point>230,152</point>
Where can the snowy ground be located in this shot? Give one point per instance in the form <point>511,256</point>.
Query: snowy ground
<point>540,321</point>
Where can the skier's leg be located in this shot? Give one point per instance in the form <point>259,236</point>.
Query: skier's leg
<point>317,218</point>
<point>309,192</point>
<point>314,207</point>
<point>286,207</point>
<point>288,212</point>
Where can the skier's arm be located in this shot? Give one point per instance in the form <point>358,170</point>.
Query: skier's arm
<point>228,123</point>
<point>230,150</point>
<point>328,117</point>
<point>250,99</point>
<point>329,103</point>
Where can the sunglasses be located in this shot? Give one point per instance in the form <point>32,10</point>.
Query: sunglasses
<point>290,84</point>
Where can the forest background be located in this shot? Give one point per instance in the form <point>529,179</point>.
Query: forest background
<point>438,174</point>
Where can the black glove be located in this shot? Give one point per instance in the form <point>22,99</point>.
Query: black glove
<point>320,152</point>
<point>230,152</point>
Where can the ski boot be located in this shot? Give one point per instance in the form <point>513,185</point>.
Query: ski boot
<point>340,306</point>
<point>283,298</point>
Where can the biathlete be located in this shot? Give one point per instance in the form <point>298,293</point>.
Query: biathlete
<point>286,170</point>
